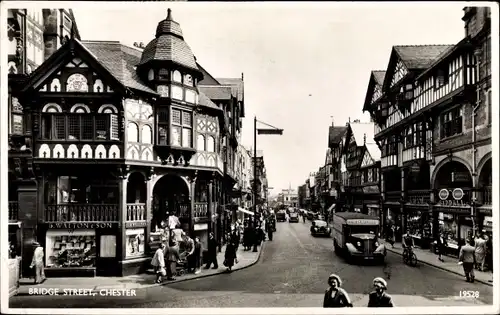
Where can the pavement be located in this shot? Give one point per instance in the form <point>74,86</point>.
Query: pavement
<point>292,272</point>
<point>450,264</point>
<point>93,285</point>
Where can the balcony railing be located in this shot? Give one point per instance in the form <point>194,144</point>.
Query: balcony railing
<point>393,196</point>
<point>81,213</point>
<point>413,153</point>
<point>13,210</point>
<point>487,196</point>
<point>200,209</point>
<point>419,196</point>
<point>389,160</point>
<point>136,212</point>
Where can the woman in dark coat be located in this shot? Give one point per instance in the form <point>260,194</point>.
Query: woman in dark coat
<point>230,256</point>
<point>335,296</point>
<point>247,237</point>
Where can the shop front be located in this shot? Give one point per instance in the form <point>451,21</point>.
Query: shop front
<point>80,249</point>
<point>418,223</point>
<point>456,226</point>
<point>394,218</point>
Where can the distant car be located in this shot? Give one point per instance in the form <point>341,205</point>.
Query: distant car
<point>281,216</point>
<point>310,215</point>
<point>320,227</point>
<point>294,217</point>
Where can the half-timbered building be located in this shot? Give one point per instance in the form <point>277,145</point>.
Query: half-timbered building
<point>360,168</point>
<point>335,135</point>
<point>433,144</point>
<point>122,138</point>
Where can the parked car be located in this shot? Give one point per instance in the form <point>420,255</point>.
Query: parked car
<point>294,217</point>
<point>281,216</point>
<point>320,227</point>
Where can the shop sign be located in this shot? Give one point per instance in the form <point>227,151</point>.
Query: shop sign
<point>201,227</point>
<point>444,194</point>
<point>134,224</point>
<point>362,222</point>
<point>453,203</point>
<point>83,225</point>
<point>457,194</point>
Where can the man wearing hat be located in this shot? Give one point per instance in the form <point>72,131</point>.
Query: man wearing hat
<point>379,298</point>
<point>37,262</point>
<point>335,296</point>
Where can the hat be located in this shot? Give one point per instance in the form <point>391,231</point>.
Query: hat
<point>381,281</point>
<point>36,244</point>
<point>334,276</point>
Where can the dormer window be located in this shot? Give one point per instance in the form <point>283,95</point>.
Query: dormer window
<point>177,77</point>
<point>163,74</point>
<point>188,80</point>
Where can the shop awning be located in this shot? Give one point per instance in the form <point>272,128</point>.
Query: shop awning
<point>245,211</point>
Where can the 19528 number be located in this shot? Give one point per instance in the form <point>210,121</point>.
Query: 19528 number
<point>469,294</point>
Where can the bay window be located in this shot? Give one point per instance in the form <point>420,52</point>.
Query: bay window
<point>451,123</point>
<point>74,126</point>
<point>181,128</point>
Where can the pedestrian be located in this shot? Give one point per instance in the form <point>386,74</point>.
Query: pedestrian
<point>37,263</point>
<point>480,251</point>
<point>335,296</point>
<point>489,252</point>
<point>390,236</point>
<point>247,237</point>
<point>197,255</point>
<point>172,257</point>
<point>212,252</point>
<point>191,260</point>
<point>235,238</point>
<point>441,246</point>
<point>230,256</point>
<point>158,263</point>
<point>379,298</point>
<point>467,259</point>
<point>270,230</point>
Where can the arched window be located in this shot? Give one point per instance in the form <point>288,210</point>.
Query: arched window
<point>146,134</point>
<point>177,76</point>
<point>77,83</point>
<point>151,74</point>
<point>132,132</point>
<point>200,143</point>
<point>163,74</point>
<point>210,144</point>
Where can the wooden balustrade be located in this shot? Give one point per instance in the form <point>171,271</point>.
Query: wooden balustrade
<point>136,212</point>
<point>200,209</point>
<point>13,210</point>
<point>81,213</point>
<point>419,196</point>
<point>393,196</point>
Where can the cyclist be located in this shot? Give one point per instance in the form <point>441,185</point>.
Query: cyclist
<point>408,243</point>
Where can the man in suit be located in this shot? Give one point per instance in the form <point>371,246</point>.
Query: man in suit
<point>468,260</point>
<point>212,252</point>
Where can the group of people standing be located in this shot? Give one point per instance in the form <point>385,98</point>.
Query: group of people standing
<point>336,296</point>
<point>474,255</point>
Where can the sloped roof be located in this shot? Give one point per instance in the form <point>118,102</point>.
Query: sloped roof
<point>237,85</point>
<point>169,45</point>
<point>420,56</point>
<point>216,92</point>
<point>208,79</point>
<point>379,76</point>
<point>120,61</point>
<point>203,100</point>
<point>335,134</point>
<point>374,151</point>
<point>359,130</point>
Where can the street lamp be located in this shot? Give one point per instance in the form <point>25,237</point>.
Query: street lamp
<point>266,131</point>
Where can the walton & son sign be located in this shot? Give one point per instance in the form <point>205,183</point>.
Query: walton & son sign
<point>83,225</point>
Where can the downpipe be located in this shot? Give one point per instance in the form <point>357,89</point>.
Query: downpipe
<point>477,54</point>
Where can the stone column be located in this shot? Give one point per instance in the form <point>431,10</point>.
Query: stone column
<point>192,182</point>
<point>210,202</point>
<point>148,209</point>
<point>122,218</point>
<point>403,198</point>
<point>28,215</point>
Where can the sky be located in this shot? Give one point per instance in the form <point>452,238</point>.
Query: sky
<point>303,63</point>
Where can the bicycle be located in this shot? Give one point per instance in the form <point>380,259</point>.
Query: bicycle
<point>409,257</point>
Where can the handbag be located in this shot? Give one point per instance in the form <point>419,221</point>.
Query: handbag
<point>225,263</point>
<point>162,271</point>
<point>236,260</point>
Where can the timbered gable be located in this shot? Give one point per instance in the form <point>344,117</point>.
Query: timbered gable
<point>367,160</point>
<point>73,69</point>
<point>399,72</point>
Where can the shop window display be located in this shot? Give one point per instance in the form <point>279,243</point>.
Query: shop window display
<point>448,228</point>
<point>70,249</point>
<point>135,242</point>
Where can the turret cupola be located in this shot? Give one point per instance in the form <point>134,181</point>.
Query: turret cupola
<point>168,65</point>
